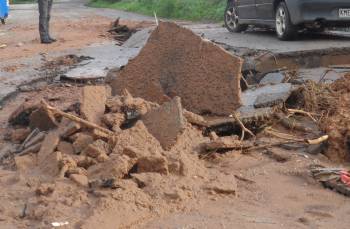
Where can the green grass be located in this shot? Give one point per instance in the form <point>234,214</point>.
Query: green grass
<point>195,10</point>
<point>22,1</point>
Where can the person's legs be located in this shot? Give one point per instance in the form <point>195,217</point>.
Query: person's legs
<point>43,21</point>
<point>48,20</point>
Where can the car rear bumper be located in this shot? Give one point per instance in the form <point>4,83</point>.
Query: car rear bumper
<point>322,11</point>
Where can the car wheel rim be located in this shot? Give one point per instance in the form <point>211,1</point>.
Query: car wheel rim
<point>281,21</point>
<point>231,18</point>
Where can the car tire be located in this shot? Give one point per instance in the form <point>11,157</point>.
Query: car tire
<point>285,30</point>
<point>231,19</point>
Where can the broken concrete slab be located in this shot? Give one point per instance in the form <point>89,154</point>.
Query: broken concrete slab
<point>166,122</point>
<point>267,94</point>
<point>176,62</point>
<point>272,78</point>
<point>93,103</point>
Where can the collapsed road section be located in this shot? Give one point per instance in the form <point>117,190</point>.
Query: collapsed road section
<point>172,132</point>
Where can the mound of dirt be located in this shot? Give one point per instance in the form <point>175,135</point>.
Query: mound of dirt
<point>177,62</point>
<point>75,175</point>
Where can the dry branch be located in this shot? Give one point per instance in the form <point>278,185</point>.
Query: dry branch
<point>76,119</point>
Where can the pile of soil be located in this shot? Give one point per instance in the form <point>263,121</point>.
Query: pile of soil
<point>79,174</point>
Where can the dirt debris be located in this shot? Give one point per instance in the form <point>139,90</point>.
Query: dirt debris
<point>93,103</point>
<point>166,122</point>
<point>206,77</point>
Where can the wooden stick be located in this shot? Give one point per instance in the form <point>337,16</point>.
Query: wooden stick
<point>305,141</point>
<point>244,129</point>
<point>76,119</point>
<point>295,111</point>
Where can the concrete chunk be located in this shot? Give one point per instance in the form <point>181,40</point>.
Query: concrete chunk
<point>93,103</point>
<point>177,62</point>
<point>166,122</point>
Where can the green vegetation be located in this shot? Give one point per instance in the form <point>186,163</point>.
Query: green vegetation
<point>196,10</point>
<point>22,1</point>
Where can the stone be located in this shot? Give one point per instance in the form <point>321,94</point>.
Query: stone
<point>80,179</point>
<point>223,184</point>
<point>42,119</point>
<point>68,128</point>
<point>93,103</point>
<point>139,138</point>
<point>81,142</point>
<point>48,146</point>
<point>153,164</point>
<point>65,147</point>
<point>45,189</point>
<point>113,119</point>
<point>132,152</point>
<point>146,179</point>
<point>166,123</point>
<point>177,62</point>
<point>97,149</point>
<point>115,168</point>
<point>25,163</point>
<point>19,135</point>
<point>50,167</point>
<point>272,78</point>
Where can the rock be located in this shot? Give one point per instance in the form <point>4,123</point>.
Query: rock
<point>68,128</point>
<point>146,179</point>
<point>223,184</point>
<point>42,119</point>
<point>278,155</point>
<point>194,118</point>
<point>132,152</point>
<point>45,189</point>
<point>93,103</point>
<point>50,166</point>
<point>65,147</point>
<point>139,138</point>
<point>116,167</point>
<point>114,104</point>
<point>48,146</point>
<point>272,78</point>
<point>81,142</point>
<point>98,149</point>
<point>177,62</point>
<point>21,115</point>
<point>25,163</point>
<point>166,123</point>
<point>113,119</point>
<point>19,135</point>
<point>153,164</point>
<point>80,179</point>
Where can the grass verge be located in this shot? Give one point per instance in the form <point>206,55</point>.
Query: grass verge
<point>195,10</point>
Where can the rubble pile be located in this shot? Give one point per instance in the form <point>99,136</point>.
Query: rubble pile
<point>113,142</point>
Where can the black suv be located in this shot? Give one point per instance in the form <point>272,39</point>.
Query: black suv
<point>287,16</point>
